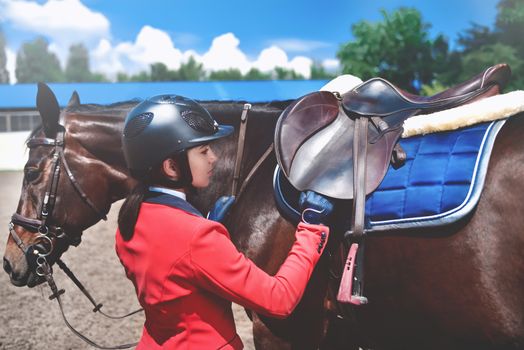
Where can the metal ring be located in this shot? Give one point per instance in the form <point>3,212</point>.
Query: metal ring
<point>39,271</point>
<point>41,262</point>
<point>48,244</point>
<point>44,232</point>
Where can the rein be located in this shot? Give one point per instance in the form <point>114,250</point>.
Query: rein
<point>47,234</point>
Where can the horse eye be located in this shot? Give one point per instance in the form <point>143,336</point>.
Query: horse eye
<point>31,174</point>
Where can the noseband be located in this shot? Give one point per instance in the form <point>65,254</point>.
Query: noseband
<point>48,234</point>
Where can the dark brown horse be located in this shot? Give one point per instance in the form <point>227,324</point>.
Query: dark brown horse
<point>456,287</point>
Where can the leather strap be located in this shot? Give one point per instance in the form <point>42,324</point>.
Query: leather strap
<point>240,148</point>
<point>360,142</point>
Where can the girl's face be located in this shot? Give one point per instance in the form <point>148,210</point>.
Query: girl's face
<point>201,162</point>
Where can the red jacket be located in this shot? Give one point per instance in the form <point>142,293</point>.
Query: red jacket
<point>186,272</point>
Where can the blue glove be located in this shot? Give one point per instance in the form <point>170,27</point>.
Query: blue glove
<point>315,207</point>
<point>221,208</point>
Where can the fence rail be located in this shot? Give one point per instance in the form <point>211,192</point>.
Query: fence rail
<point>18,120</point>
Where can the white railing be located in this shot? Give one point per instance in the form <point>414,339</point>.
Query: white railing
<point>15,127</point>
<point>18,120</point>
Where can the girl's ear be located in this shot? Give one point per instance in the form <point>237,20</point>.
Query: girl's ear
<point>170,169</point>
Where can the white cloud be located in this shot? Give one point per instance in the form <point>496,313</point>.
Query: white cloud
<point>64,21</point>
<point>276,57</point>
<point>224,54</point>
<point>154,45</point>
<point>301,65</point>
<point>11,64</point>
<point>270,58</point>
<point>331,64</point>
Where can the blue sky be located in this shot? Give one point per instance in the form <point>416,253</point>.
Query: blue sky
<point>126,35</point>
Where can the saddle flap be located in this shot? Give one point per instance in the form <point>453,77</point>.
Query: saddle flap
<point>319,156</point>
<point>299,121</point>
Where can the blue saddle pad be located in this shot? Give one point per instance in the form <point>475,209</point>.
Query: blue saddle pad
<point>440,182</point>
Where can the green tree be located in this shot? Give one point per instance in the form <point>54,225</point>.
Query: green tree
<point>475,37</point>
<point>160,72</point>
<point>488,55</point>
<point>282,73</point>
<point>226,74</point>
<point>319,72</point>
<point>77,66</point>
<point>397,48</point>
<point>122,77</point>
<point>142,76</point>
<point>34,63</point>
<point>256,74</point>
<point>510,24</point>
<point>191,70</point>
<point>482,47</point>
<point>4,74</point>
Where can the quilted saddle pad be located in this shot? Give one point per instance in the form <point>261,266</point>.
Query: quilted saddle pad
<point>440,182</point>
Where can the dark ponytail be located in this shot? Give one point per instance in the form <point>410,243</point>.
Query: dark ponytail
<point>128,213</point>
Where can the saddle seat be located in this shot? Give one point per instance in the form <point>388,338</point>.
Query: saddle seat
<point>314,136</point>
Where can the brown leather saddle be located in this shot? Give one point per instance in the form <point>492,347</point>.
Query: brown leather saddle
<point>341,146</point>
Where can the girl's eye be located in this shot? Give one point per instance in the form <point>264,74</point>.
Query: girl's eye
<point>31,174</point>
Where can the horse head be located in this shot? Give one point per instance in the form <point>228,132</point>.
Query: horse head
<point>57,202</point>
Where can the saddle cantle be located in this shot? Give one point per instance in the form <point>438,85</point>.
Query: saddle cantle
<point>379,97</point>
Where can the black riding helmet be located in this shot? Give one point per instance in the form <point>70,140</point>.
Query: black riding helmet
<point>164,126</point>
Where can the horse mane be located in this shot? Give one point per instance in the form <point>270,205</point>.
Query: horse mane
<point>112,109</point>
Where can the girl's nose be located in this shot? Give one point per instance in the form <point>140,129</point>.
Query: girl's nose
<point>212,156</point>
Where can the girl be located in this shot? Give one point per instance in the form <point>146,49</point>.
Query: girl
<point>185,269</point>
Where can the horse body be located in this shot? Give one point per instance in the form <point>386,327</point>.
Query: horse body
<point>451,287</point>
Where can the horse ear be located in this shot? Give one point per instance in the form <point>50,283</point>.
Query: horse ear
<point>49,110</point>
<point>74,101</point>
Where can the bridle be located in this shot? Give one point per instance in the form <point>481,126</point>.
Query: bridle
<point>48,234</point>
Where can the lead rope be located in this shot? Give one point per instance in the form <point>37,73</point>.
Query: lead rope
<point>97,306</point>
<point>43,269</point>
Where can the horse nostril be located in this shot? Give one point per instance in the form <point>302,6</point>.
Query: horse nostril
<point>7,266</point>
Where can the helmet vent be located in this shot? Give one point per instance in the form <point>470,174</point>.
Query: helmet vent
<point>136,125</point>
<point>199,122</point>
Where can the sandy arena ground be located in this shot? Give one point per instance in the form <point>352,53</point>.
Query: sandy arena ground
<point>28,320</point>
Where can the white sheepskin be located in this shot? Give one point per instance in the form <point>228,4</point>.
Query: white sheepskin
<point>488,109</point>
<point>342,84</point>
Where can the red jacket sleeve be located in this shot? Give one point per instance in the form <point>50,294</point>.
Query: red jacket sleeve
<point>222,269</point>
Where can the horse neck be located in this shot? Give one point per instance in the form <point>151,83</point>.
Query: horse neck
<point>98,138</point>
<point>260,130</point>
